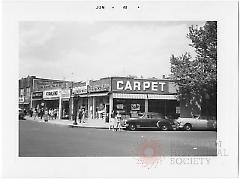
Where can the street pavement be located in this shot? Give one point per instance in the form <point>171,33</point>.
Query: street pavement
<point>46,140</point>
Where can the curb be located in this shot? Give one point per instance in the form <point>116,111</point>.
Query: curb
<point>67,125</point>
<point>77,126</point>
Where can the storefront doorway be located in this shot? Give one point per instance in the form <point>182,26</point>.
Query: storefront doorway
<point>65,109</point>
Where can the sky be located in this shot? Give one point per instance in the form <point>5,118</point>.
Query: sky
<point>80,51</point>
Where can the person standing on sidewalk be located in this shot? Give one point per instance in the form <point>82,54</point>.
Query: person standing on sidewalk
<point>111,121</point>
<point>80,115</point>
<point>31,112</point>
<point>34,113</point>
<point>46,115</point>
<point>41,113</point>
<point>55,113</point>
<point>83,115</point>
<point>118,116</point>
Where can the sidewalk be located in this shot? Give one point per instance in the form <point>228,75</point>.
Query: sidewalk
<point>90,123</point>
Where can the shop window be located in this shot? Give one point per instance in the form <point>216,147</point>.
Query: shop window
<point>28,91</point>
<point>21,92</point>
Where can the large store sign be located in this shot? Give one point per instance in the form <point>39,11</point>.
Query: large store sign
<point>37,95</point>
<point>100,85</point>
<point>140,85</point>
<point>65,93</point>
<point>80,88</point>
<point>51,94</point>
<point>41,84</point>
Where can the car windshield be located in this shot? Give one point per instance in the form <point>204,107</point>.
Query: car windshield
<point>152,115</point>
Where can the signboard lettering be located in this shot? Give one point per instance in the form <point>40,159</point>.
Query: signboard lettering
<point>37,95</point>
<point>51,94</point>
<point>140,86</point>
<point>103,84</point>
<point>80,90</point>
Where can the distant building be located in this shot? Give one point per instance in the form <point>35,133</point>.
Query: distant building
<point>39,92</point>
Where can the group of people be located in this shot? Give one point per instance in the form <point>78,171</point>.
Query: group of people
<point>81,115</point>
<point>115,121</point>
<point>46,114</point>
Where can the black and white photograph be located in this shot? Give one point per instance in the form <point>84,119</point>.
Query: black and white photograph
<point>114,90</point>
<point>110,90</point>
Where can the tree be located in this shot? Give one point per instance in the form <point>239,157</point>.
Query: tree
<point>197,78</point>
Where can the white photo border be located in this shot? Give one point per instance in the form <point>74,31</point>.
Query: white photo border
<point>225,13</point>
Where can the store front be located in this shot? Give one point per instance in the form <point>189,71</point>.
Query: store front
<point>65,101</point>
<point>98,99</point>
<point>37,99</point>
<point>52,100</point>
<point>80,97</point>
<point>131,97</point>
<point>98,106</point>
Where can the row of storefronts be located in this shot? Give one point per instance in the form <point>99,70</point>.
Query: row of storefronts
<point>101,98</point>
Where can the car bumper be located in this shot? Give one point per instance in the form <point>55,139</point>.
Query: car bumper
<point>179,126</point>
<point>174,127</point>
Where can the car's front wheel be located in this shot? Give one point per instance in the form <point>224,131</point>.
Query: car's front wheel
<point>132,127</point>
<point>188,127</point>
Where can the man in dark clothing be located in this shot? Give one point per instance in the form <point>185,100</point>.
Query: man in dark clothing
<point>31,112</point>
<point>80,115</point>
<point>41,113</point>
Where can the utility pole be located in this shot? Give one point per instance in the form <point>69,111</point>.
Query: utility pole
<point>72,105</point>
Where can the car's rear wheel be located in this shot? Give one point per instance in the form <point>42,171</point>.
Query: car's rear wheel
<point>188,127</point>
<point>164,127</point>
<point>132,127</point>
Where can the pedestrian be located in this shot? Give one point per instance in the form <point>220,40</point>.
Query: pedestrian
<point>51,114</point>
<point>41,113</point>
<point>118,118</point>
<point>46,115</point>
<point>25,111</point>
<point>55,113</point>
<point>83,115</point>
<point>80,115</point>
<point>31,112</point>
<point>111,121</point>
<point>34,113</point>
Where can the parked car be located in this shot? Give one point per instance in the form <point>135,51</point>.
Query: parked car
<point>21,114</point>
<point>197,122</point>
<point>150,120</point>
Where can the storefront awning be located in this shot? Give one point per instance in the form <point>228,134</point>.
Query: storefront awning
<point>98,94</point>
<point>129,96</point>
<point>83,95</point>
<point>48,99</point>
<point>158,96</point>
<point>24,103</point>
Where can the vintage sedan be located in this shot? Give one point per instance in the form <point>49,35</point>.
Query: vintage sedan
<point>197,122</point>
<point>150,120</point>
